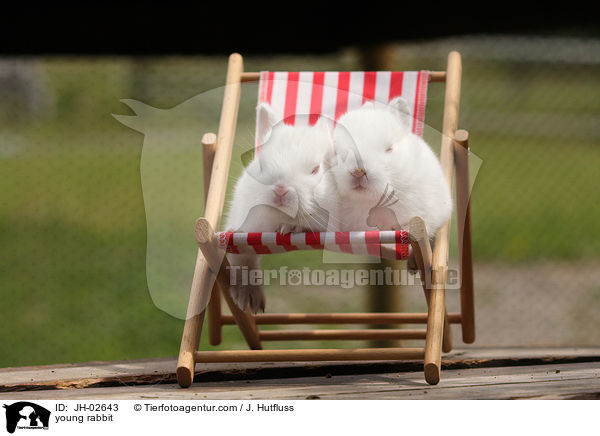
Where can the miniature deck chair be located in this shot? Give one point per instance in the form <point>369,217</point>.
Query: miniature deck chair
<point>331,94</point>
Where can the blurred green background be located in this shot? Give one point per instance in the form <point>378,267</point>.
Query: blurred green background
<point>73,236</point>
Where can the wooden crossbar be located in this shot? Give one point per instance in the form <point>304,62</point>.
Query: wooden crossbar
<point>341,334</point>
<point>434,76</point>
<point>341,318</point>
<point>309,355</point>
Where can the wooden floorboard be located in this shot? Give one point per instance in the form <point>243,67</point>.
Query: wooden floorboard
<point>574,380</point>
<point>471,373</point>
<point>153,371</point>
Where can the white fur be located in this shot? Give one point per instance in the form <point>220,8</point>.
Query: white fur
<point>288,158</point>
<point>362,138</point>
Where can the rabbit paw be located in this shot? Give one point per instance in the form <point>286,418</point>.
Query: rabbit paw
<point>248,295</point>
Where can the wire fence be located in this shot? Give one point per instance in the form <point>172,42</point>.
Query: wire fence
<point>73,273</point>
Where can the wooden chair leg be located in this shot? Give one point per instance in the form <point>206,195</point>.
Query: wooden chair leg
<point>203,277</point>
<point>209,145</point>
<point>434,336</point>
<point>423,255</point>
<point>439,336</point>
<point>437,318</point>
<point>243,318</point>
<point>463,206</point>
<point>199,294</point>
<point>447,334</point>
<point>435,321</point>
<point>215,327</point>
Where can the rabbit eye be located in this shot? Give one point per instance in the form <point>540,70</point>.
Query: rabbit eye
<point>315,170</point>
<point>389,149</point>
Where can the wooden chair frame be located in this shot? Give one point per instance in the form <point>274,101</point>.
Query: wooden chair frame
<point>211,277</point>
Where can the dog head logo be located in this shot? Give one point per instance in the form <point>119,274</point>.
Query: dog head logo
<point>24,414</point>
<point>170,158</point>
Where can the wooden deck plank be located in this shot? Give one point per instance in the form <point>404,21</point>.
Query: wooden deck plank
<point>574,380</point>
<point>153,371</point>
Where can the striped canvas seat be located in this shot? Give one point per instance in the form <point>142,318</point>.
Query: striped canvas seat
<point>388,244</point>
<point>300,98</point>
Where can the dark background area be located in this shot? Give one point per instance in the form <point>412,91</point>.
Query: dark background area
<point>146,28</point>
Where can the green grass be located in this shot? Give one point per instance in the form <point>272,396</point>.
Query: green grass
<point>73,282</point>
<point>544,205</point>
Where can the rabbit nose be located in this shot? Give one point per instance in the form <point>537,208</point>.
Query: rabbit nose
<point>358,173</point>
<point>280,190</point>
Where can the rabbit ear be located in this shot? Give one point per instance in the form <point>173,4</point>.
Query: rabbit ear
<point>401,108</point>
<point>266,119</point>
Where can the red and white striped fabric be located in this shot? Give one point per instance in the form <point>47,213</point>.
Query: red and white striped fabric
<point>366,243</point>
<point>300,98</point>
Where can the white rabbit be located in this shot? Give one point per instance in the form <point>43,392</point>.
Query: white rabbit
<point>381,163</point>
<point>277,190</point>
